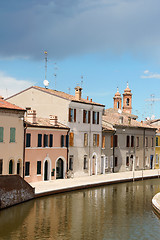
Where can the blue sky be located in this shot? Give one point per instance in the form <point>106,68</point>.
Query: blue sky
<point>109,42</point>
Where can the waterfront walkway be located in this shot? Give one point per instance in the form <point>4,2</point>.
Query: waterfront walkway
<point>44,188</point>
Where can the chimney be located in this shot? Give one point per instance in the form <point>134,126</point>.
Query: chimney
<point>91,100</point>
<point>121,119</point>
<point>53,120</point>
<point>78,93</point>
<point>87,98</point>
<point>31,116</point>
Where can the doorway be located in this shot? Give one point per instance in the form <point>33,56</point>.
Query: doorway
<point>46,175</point>
<point>59,169</point>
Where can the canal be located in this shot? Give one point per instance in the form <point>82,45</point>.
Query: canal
<point>120,211</point>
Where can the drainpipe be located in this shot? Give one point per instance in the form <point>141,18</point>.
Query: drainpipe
<point>24,144</point>
<point>143,167</point>
<point>113,150</point>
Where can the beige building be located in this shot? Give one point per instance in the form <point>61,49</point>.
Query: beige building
<point>82,116</point>
<point>127,143</point>
<point>11,138</point>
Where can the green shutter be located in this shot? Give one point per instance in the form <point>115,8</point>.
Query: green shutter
<point>12,134</point>
<point>1,134</point>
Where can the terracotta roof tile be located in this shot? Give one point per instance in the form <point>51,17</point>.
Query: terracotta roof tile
<point>6,105</point>
<point>67,96</point>
<point>45,122</point>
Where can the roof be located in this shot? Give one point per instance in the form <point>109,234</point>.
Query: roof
<point>116,119</point>
<point>45,122</point>
<point>62,95</point>
<point>6,105</point>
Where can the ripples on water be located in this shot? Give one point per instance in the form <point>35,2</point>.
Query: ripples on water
<point>120,211</point>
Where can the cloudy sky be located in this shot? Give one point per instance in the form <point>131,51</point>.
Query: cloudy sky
<point>108,42</point>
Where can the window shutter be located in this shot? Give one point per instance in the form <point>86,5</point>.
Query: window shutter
<point>89,116</point>
<point>69,116</point>
<point>93,119</point>
<point>71,137</point>
<point>62,141</point>
<point>74,115</point>
<point>67,140</point>
<point>84,116</point>
<point>12,134</point>
<point>1,134</point>
<point>51,140</point>
<point>115,140</point>
<point>111,141</point>
<point>103,141</point>
<point>28,140</point>
<point>39,140</point>
<point>97,117</point>
<point>97,140</point>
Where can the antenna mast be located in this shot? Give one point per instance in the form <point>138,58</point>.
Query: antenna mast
<point>55,74</point>
<point>46,60</point>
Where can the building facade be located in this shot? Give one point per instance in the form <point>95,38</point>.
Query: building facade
<point>46,148</point>
<point>11,138</point>
<point>82,116</point>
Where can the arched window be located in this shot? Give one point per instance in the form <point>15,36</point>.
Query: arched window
<point>118,105</point>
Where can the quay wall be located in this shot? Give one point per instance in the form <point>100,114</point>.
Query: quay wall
<point>13,190</point>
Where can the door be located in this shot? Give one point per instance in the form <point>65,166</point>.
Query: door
<point>93,165</point>
<point>18,167</point>
<point>151,161</point>
<point>59,169</point>
<point>102,165</point>
<point>46,170</point>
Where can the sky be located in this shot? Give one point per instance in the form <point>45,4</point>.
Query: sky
<point>98,44</point>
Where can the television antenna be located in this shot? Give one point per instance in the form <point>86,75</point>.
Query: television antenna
<point>152,99</point>
<point>45,82</point>
<point>55,74</point>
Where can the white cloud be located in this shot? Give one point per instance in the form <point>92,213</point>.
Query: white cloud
<point>10,85</point>
<point>149,74</point>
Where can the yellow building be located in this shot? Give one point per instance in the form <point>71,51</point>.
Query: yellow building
<point>157,151</point>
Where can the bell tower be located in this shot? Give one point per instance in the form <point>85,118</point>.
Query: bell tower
<point>127,100</point>
<point>117,100</point>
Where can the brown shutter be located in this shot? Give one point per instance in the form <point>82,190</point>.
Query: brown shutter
<point>97,140</point>
<point>71,138</point>
<point>69,116</point>
<point>97,117</point>
<point>103,142</point>
<point>93,120</point>
<point>111,141</point>
<point>89,116</point>
<point>84,116</point>
<point>74,115</point>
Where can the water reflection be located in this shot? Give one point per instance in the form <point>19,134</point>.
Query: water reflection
<point>121,211</point>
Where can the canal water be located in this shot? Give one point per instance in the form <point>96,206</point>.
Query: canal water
<point>120,211</point>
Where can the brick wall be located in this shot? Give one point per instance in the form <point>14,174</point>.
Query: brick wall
<point>14,190</point>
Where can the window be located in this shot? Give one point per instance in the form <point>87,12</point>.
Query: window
<point>85,139</point>
<point>86,116</point>
<point>38,167</point>
<point>152,142</point>
<point>146,162</point>
<point>106,162</point>
<point>128,141</point>
<point>116,161</point>
<point>12,134</point>
<point>95,118</point>
<point>127,161</point>
<point>156,141</point>
<point>18,167</point>
<point>11,167</point>
<point>156,158</point>
<point>71,139</point>
<point>115,140</point>
<point>50,140</point>
<point>85,162</point>
<point>1,166</point>
<point>39,140</point>
<point>27,168</point>
<point>1,134</point>
<point>111,161</point>
<point>96,140</point>
<point>67,141</point>
<point>70,162</point>
<point>132,141</point>
<point>137,161</point>
<point>28,140</point>
<point>146,141</point>
<point>62,140</point>
<point>103,141</point>
<point>127,101</point>
<point>45,140</point>
<point>137,142</point>
<point>72,115</point>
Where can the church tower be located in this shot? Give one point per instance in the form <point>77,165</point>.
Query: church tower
<point>127,100</point>
<point>117,100</point>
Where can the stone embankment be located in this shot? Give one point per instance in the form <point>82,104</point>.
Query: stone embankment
<point>14,190</point>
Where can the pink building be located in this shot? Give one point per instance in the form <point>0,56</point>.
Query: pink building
<point>46,148</point>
